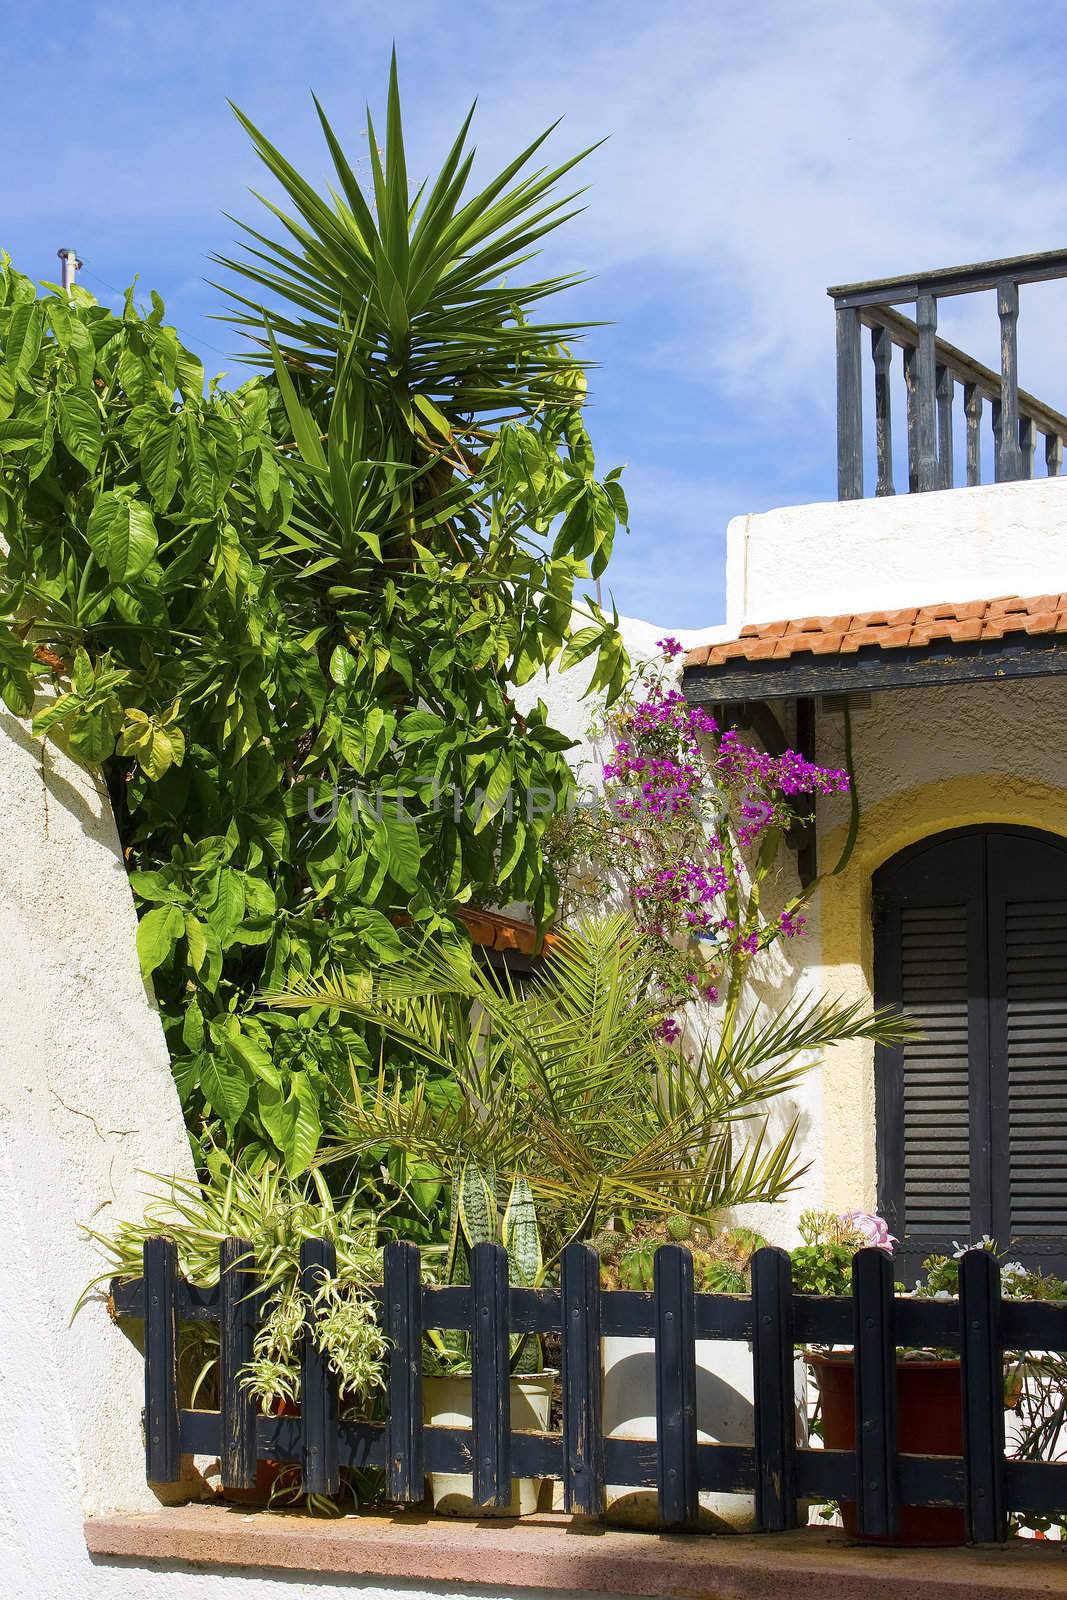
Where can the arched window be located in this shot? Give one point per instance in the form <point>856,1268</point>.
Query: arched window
<point>971,939</point>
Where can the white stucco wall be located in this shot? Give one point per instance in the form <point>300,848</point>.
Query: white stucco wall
<point>86,1102</point>
<point>903,550</point>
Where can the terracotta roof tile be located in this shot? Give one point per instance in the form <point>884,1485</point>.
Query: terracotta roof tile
<point>901,629</point>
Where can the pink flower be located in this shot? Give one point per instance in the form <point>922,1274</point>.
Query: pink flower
<point>874,1229</point>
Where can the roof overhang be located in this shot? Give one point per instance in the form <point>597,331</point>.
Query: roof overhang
<point>873,667</point>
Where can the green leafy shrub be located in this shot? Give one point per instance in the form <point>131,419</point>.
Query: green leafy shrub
<point>247,604</point>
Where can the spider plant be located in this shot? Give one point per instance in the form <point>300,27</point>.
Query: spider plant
<point>567,1085</point>
<point>274,1214</point>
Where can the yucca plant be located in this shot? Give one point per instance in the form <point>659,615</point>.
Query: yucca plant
<point>433,414</point>
<point>570,1086</point>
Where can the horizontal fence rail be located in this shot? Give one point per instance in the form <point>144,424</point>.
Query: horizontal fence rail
<point>873,1322</point>
<point>934,371</point>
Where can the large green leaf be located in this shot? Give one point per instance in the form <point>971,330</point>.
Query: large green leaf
<point>157,933</point>
<point>159,461</point>
<point>22,342</point>
<point>79,426</point>
<point>398,841</point>
<point>224,1086</point>
<point>293,1120</point>
<point>122,535</point>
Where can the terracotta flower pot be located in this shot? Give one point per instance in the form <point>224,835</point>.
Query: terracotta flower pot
<point>929,1423</point>
<point>267,1472</point>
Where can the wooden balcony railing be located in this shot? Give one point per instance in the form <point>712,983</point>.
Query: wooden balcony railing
<point>932,371</point>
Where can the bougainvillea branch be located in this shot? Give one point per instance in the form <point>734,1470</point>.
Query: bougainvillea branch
<point>689,825</point>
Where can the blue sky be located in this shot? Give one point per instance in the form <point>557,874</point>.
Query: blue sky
<point>757,152</point>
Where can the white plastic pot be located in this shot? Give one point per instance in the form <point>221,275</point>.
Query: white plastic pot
<point>725,1414</point>
<point>447,1403</point>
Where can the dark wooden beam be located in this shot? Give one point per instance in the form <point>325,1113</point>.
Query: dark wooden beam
<point>986,660</point>
<point>805,841</point>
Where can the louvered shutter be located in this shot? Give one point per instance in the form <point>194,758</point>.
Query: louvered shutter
<point>1036,1023</point>
<point>936,1090</point>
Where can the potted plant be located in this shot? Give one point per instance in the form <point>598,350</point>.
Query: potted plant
<point>724,1378</point>
<point>477,1218</point>
<point>274,1214</point>
<point>928,1381</point>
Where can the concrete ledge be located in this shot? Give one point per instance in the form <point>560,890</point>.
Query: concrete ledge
<point>557,1553</point>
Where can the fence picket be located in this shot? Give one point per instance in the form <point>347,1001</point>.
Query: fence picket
<point>318,1386</point>
<point>775,1403</point>
<point>583,1437</point>
<point>162,1423</point>
<point>876,1391</point>
<point>402,1300</point>
<point>676,1412</point>
<point>238,1313</point>
<point>982,1361</point>
<point>490,1340</point>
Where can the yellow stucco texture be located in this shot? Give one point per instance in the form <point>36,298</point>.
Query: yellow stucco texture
<point>844,916</point>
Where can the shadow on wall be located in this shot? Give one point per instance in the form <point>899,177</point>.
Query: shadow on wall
<point>55,788</point>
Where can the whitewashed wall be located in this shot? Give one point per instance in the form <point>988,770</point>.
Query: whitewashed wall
<point>86,1101</point>
<point>902,550</point>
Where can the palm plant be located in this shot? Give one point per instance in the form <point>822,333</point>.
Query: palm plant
<point>568,1085</point>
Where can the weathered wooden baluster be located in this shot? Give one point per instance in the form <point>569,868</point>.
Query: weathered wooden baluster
<point>925,379</point>
<point>238,1310</point>
<point>882,351</point>
<point>911,370</point>
<point>1053,454</point>
<point>996,412</point>
<point>402,1301</point>
<point>583,1435</point>
<point>318,1385</point>
<point>876,1392</point>
<point>1027,443</point>
<point>490,1346</point>
<point>849,405</point>
<point>945,388</point>
<point>162,1424</point>
<point>972,410</point>
<point>982,1360</point>
<point>775,1420</point>
<point>676,1384</point>
<point>1008,462</point>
